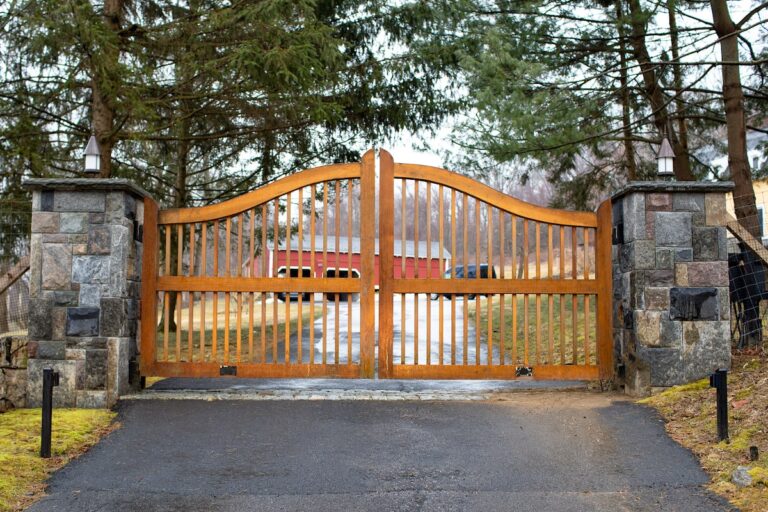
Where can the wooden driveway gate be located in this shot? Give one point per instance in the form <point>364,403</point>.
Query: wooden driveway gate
<point>282,281</point>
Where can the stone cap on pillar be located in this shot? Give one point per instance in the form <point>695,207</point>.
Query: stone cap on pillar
<point>84,184</point>
<point>673,186</point>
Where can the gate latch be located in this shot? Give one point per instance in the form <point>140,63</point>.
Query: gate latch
<point>524,371</point>
<point>228,370</point>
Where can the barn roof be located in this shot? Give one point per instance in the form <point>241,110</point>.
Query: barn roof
<point>410,246</point>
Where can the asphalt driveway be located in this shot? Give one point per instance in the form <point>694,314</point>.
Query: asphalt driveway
<point>563,451</point>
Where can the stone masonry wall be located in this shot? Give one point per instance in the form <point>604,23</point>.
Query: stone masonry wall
<point>85,270</point>
<point>670,283</point>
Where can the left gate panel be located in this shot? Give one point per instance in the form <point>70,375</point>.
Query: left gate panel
<point>263,285</point>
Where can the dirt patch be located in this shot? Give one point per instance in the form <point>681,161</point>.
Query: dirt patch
<point>689,412</point>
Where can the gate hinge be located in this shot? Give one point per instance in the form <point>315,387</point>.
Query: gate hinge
<point>227,370</point>
<point>524,371</point>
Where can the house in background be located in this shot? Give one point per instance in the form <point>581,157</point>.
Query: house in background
<point>348,262</point>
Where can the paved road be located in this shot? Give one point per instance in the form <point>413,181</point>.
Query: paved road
<point>541,451</point>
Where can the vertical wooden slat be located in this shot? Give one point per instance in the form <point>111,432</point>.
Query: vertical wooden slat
<point>562,328</point>
<point>149,271</point>
<point>239,322</point>
<point>337,242</point>
<point>489,302</point>
<point>515,357</point>
<point>251,263</point>
<point>525,249</point>
<point>574,251</point>
<point>502,305</point>
<point>453,275</point>
<point>191,295</point>
<point>227,271</point>
<point>275,250</point>
<point>299,327</point>
<point>386,262</point>
<point>549,251</point>
<point>416,223</point>
<point>514,251</point>
<point>465,320</point>
<point>264,256</point>
<point>441,266</point>
<point>203,272</point>
<point>428,214</point>
<point>350,186</point>
<point>313,265</point>
<point>538,327</point>
<point>288,264</point>
<point>525,331</point>
<point>586,298</point>
<point>215,319</point>
<point>166,295</point>
<point>324,341</point>
<point>604,327</point>
<point>574,298</point>
<point>403,268</point>
<point>367,270</point>
<point>179,295</point>
<point>538,250</point>
<point>477,276</point>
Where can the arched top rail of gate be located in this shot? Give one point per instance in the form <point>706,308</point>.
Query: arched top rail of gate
<point>493,197</point>
<point>263,194</point>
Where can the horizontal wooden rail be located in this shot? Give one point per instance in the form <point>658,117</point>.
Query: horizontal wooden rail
<point>494,197</point>
<point>496,286</point>
<point>255,370</point>
<point>258,284</point>
<point>260,196</point>
<point>542,372</point>
<point>14,273</point>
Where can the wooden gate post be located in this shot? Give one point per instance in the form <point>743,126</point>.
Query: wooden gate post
<point>386,261</point>
<point>604,274</point>
<point>368,267</point>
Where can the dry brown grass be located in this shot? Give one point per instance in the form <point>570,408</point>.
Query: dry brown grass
<point>689,412</point>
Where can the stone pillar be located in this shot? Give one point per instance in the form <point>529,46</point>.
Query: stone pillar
<point>670,283</point>
<point>85,271</point>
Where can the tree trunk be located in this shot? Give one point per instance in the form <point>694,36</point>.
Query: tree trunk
<point>626,114</point>
<point>677,77</point>
<point>655,93</point>
<point>102,100</point>
<point>733,97</point>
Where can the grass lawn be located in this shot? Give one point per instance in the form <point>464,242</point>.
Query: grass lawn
<point>560,350</point>
<point>286,313</point>
<point>689,412</point>
<point>22,479</point>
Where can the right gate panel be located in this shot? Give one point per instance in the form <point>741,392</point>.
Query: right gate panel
<point>477,284</point>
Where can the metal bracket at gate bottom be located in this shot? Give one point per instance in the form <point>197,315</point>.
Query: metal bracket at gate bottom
<point>524,371</point>
<point>228,370</point>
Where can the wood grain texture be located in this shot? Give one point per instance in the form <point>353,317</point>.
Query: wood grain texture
<point>148,327</point>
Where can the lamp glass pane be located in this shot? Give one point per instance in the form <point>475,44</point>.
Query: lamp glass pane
<point>92,163</point>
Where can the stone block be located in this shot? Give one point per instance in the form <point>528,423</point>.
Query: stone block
<point>74,222</point>
<point>688,202</point>
<point>673,229</point>
<point>59,323</point>
<point>671,333</point>
<point>659,277</point>
<point>78,201</point>
<point>95,369</point>
<point>114,317</point>
<point>75,354</point>
<point>683,255</point>
<point>96,218</point>
<point>694,304</point>
<point>698,219</point>
<point>681,274</point>
<point>644,254</point>
<point>708,273</point>
<point>90,269</point>
<point>633,214</point>
<point>650,226</point>
<point>40,316</point>
<point>90,295</point>
<point>46,201</point>
<point>725,303</point>
<point>80,249</point>
<point>35,265</point>
<point>665,259</point>
<point>714,206</point>
<point>647,327</point>
<point>658,202</point>
<point>129,206</point>
<point>92,399</point>
<point>36,201</point>
<point>47,349</point>
<point>57,266</point>
<point>64,298</point>
<point>55,238</point>
<point>706,244</point>
<point>13,388</point>
<point>64,395</point>
<point>722,243</point>
<point>45,222</point>
<point>665,365</point>
<point>707,346</point>
<point>118,358</point>
<point>99,239</point>
<point>656,298</point>
<point>82,321</point>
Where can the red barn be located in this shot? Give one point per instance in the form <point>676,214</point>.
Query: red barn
<point>348,262</point>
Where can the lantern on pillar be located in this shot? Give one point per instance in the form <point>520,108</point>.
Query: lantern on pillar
<point>665,160</point>
<point>92,157</point>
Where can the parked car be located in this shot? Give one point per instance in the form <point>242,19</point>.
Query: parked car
<point>293,272</point>
<point>468,272</point>
<point>342,273</point>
